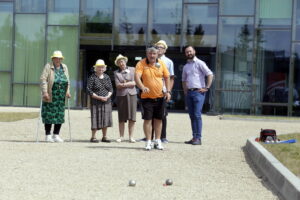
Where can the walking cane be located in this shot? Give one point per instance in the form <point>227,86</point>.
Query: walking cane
<point>38,122</point>
<point>69,120</point>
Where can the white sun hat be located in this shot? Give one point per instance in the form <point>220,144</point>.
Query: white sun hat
<point>100,63</point>
<point>119,57</point>
<point>57,54</point>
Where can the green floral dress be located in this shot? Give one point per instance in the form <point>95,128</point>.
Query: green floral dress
<point>54,112</point>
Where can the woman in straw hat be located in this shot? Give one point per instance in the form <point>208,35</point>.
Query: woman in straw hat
<point>100,89</point>
<point>126,96</point>
<point>55,85</point>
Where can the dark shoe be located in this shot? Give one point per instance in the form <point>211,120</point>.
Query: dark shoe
<point>164,140</point>
<point>189,142</point>
<point>143,140</point>
<point>94,140</point>
<point>104,139</point>
<point>196,142</point>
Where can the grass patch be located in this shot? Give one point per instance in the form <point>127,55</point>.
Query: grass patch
<point>16,116</point>
<point>287,154</point>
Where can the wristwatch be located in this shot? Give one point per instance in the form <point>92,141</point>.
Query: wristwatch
<point>207,88</point>
<point>169,92</point>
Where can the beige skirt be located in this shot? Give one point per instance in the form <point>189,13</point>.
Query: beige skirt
<point>101,116</point>
<point>127,107</point>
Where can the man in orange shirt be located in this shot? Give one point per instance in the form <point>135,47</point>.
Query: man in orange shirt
<point>149,73</point>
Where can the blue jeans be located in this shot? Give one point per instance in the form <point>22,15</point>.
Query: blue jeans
<point>195,102</point>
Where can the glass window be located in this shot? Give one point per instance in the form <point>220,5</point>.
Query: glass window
<point>131,22</point>
<point>237,7</point>
<point>26,95</point>
<point>201,1</point>
<point>167,21</point>
<point>97,16</point>
<point>29,42</point>
<point>275,13</point>
<point>5,85</point>
<point>29,54</point>
<point>31,6</point>
<point>65,39</point>
<point>201,25</point>
<point>273,58</point>
<point>235,45</point>
<point>63,12</point>
<point>298,20</point>
<point>6,33</point>
<point>296,94</point>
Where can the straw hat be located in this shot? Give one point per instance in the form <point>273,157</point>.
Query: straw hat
<point>162,42</point>
<point>100,63</point>
<point>57,54</point>
<point>119,57</point>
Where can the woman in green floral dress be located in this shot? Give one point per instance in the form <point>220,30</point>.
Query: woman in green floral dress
<point>55,86</point>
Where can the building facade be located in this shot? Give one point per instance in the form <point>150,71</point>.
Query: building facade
<point>252,46</point>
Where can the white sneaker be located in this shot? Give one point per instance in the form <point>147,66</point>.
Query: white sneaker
<point>158,145</point>
<point>56,138</point>
<point>131,140</point>
<point>119,140</point>
<point>49,138</point>
<point>148,145</point>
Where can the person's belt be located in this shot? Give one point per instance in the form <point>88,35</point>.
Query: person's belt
<point>153,100</point>
<point>193,89</point>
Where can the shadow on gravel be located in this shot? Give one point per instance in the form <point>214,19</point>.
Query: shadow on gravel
<point>116,147</point>
<point>21,141</point>
<point>260,175</point>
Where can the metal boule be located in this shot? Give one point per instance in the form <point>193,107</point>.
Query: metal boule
<point>132,183</point>
<point>169,182</point>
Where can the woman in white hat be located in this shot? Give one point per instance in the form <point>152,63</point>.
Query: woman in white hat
<point>100,89</point>
<point>126,96</point>
<point>55,85</point>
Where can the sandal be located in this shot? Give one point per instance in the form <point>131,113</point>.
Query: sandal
<point>94,140</point>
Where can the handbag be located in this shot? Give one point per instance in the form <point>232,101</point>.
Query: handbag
<point>267,133</point>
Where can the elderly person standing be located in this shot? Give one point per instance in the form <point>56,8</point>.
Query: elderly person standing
<point>100,89</point>
<point>55,85</point>
<point>162,48</point>
<point>126,96</point>
<point>149,76</point>
<point>196,81</point>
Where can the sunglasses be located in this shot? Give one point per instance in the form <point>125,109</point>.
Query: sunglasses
<point>159,47</point>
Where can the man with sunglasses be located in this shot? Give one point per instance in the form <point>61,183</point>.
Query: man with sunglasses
<point>162,47</point>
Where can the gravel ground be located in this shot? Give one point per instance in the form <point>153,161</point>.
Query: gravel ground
<point>218,169</point>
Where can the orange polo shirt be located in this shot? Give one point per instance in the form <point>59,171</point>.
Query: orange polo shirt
<point>152,78</point>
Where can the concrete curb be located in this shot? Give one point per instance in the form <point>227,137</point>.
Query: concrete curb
<point>259,119</point>
<point>285,182</point>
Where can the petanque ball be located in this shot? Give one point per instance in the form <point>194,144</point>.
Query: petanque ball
<point>169,182</point>
<point>132,183</point>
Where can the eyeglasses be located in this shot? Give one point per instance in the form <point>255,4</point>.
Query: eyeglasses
<point>159,47</point>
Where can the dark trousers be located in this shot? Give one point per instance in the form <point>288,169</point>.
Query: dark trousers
<point>164,124</point>
<point>56,129</point>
